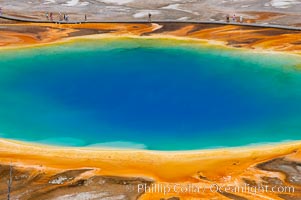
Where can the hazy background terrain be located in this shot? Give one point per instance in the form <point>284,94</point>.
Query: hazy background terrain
<point>285,12</point>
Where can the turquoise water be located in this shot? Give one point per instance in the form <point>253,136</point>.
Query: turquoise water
<point>151,94</point>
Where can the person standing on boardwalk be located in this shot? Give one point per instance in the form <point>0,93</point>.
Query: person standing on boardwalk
<point>149,17</point>
<point>51,16</point>
<point>47,16</point>
<point>86,18</point>
<point>241,19</point>
<point>234,18</point>
<point>228,19</point>
<point>60,17</point>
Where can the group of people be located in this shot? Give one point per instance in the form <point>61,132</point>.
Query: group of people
<point>239,19</point>
<point>234,18</point>
<point>61,17</point>
<point>65,17</point>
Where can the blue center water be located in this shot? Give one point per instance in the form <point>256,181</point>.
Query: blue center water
<point>152,94</point>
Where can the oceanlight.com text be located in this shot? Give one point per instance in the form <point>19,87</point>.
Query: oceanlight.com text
<point>213,188</point>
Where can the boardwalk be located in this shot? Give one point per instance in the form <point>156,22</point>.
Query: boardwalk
<point>19,19</point>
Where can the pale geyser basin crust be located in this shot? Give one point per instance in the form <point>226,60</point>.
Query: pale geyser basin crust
<point>46,172</point>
